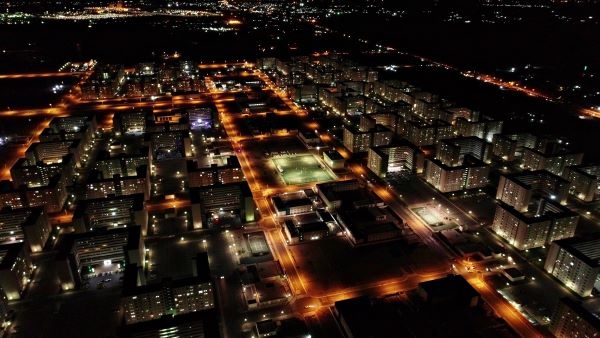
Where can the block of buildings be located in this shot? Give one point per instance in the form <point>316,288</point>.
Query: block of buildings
<point>309,138</point>
<point>358,140</point>
<point>452,151</point>
<point>575,262</point>
<point>51,196</point>
<point>174,297</point>
<point>230,197</point>
<point>82,128</point>
<point>29,225</point>
<point>101,247</point>
<point>122,164</point>
<point>168,145</point>
<point>38,174</point>
<point>54,151</point>
<point>398,156</point>
<point>471,174</point>
<point>296,233</point>
<point>518,190</point>
<point>422,133</point>
<point>192,324</point>
<point>15,269</point>
<point>509,147</point>
<point>484,128</point>
<point>131,122</point>
<point>554,162</point>
<point>543,222</point>
<point>573,318</point>
<point>98,186</point>
<point>264,285</point>
<point>111,212</point>
<point>584,181</point>
<point>230,172</point>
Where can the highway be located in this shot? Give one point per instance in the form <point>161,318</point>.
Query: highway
<point>36,75</point>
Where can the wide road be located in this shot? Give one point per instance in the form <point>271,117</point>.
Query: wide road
<point>503,308</point>
<point>35,75</point>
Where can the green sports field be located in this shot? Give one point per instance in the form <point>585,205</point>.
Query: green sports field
<point>301,169</point>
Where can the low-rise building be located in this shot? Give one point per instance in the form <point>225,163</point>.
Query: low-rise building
<point>295,232</point>
<point>334,194</point>
<point>368,225</point>
<point>287,204</point>
<point>334,159</point>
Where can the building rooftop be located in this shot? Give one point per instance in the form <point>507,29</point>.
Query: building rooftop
<point>334,155</point>
<point>452,288</point>
<point>589,310</point>
<point>8,254</point>
<point>586,249</point>
<point>203,324</point>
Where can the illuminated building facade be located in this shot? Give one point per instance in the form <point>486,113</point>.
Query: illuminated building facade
<point>133,122</point>
<point>421,133</point>
<point>111,212</point>
<point>77,251</point>
<point>574,319</point>
<point>472,174</point>
<point>121,164</point>
<point>517,190</point>
<point>15,269</point>
<point>231,172</point>
<point>99,187</point>
<point>584,181</point>
<point>552,162</point>
<point>38,174</point>
<point>30,225</point>
<point>358,140</point>
<point>53,152</point>
<point>169,297</point>
<point>395,157</point>
<point>229,197</point>
<point>575,262</point>
<point>546,222</point>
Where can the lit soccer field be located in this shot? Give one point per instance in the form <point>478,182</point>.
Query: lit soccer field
<point>301,169</point>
